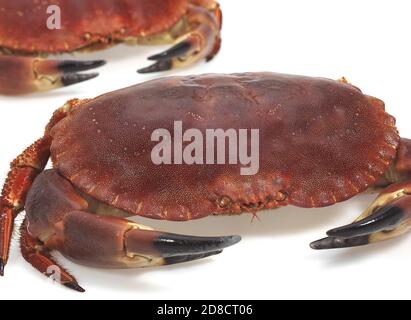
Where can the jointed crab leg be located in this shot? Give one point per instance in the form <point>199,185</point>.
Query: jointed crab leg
<point>202,42</point>
<point>22,174</point>
<point>23,171</point>
<point>21,75</point>
<point>39,257</point>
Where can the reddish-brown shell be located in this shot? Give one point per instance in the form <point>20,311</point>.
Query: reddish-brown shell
<point>321,142</point>
<point>23,23</point>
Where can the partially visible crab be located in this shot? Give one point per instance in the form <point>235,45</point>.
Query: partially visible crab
<point>86,25</point>
<point>322,142</point>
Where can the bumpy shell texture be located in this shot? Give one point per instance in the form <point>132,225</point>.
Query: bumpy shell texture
<point>321,142</point>
<point>23,23</point>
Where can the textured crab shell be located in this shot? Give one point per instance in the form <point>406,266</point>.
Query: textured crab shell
<point>23,23</point>
<point>321,142</point>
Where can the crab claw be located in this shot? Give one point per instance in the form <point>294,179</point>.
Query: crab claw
<point>162,65</point>
<point>203,41</point>
<point>179,49</point>
<point>114,242</point>
<point>22,75</point>
<point>72,66</point>
<point>92,233</point>
<point>168,248</point>
<point>388,217</point>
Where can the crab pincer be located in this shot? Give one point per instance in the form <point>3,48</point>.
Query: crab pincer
<point>128,244</point>
<point>22,75</point>
<point>203,41</point>
<point>389,216</point>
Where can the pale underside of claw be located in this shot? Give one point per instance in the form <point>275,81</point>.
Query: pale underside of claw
<point>50,74</point>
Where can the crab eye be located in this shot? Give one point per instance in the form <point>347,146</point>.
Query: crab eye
<point>224,202</point>
<point>87,36</point>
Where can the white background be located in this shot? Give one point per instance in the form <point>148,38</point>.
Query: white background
<point>366,41</point>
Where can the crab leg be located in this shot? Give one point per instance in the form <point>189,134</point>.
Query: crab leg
<point>20,178</point>
<point>202,42</point>
<point>23,171</point>
<point>389,216</point>
<point>39,257</point>
<point>61,219</point>
<point>22,75</point>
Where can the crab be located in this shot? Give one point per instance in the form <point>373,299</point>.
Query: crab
<point>25,38</point>
<point>323,141</point>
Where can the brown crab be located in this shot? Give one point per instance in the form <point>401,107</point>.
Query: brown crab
<point>86,25</point>
<point>323,142</point>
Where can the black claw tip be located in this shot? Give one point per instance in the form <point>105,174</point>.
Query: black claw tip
<point>179,49</point>
<point>175,244</point>
<point>71,66</point>
<point>2,264</point>
<point>74,286</point>
<point>187,258</point>
<point>336,243</point>
<point>162,65</point>
<point>73,78</point>
<point>385,218</point>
